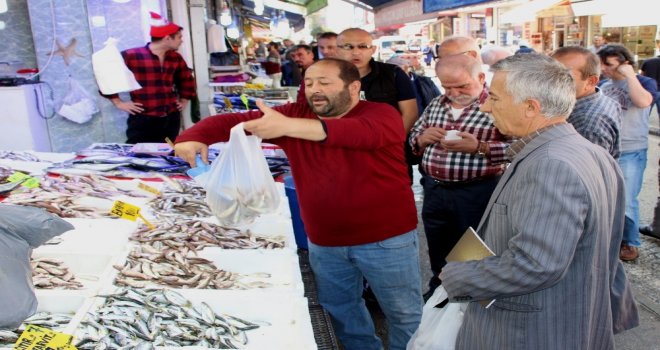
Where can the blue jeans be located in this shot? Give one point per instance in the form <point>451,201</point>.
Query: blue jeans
<point>391,267</point>
<point>632,165</point>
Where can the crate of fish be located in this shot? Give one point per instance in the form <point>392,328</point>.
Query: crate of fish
<point>72,271</point>
<point>211,268</point>
<point>59,311</point>
<point>104,236</point>
<point>164,318</point>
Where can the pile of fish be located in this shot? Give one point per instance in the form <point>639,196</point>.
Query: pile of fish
<point>142,319</point>
<point>23,156</point>
<point>146,265</point>
<point>197,234</point>
<point>52,274</point>
<point>42,319</point>
<point>189,202</point>
<point>58,195</point>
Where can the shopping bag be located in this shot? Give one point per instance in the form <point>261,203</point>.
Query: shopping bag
<point>239,186</point>
<point>78,105</point>
<point>112,75</point>
<point>440,323</point>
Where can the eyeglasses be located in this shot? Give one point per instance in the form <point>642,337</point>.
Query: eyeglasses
<point>350,47</point>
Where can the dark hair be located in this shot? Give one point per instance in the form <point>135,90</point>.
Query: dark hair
<point>155,40</point>
<point>615,50</point>
<point>592,62</point>
<point>348,72</point>
<point>304,47</point>
<point>274,44</point>
<point>327,35</point>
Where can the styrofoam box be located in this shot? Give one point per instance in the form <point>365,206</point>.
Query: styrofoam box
<point>89,269</point>
<point>105,236</point>
<point>282,265</point>
<point>268,225</point>
<point>284,318</point>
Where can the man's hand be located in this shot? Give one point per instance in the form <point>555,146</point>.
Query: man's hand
<point>626,70</point>
<point>189,149</point>
<point>468,144</point>
<point>271,125</point>
<point>430,136</point>
<point>129,107</point>
<point>181,104</point>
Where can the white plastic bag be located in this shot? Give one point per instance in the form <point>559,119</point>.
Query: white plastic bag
<point>112,75</point>
<point>77,106</point>
<point>439,326</point>
<point>239,186</point>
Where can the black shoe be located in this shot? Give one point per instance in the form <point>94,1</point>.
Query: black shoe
<point>648,231</point>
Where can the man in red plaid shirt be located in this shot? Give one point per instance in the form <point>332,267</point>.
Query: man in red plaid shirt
<point>463,156</point>
<point>167,85</point>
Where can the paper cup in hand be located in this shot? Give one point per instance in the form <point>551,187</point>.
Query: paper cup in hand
<point>452,135</point>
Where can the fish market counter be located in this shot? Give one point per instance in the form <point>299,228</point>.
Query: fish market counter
<point>174,278</point>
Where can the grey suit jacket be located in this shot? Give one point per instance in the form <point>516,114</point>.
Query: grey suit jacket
<point>555,223</point>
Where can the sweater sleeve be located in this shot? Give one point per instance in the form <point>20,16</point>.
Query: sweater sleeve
<point>216,128</point>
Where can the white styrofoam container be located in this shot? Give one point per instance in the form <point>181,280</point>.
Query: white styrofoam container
<point>89,269</point>
<point>105,236</point>
<point>282,265</point>
<point>284,318</point>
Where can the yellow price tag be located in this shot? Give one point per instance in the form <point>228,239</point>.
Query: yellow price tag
<point>17,176</point>
<point>125,210</point>
<point>31,183</point>
<point>244,98</point>
<point>148,188</point>
<point>129,212</point>
<point>39,338</point>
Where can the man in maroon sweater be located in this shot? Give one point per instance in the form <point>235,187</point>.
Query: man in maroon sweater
<point>355,197</point>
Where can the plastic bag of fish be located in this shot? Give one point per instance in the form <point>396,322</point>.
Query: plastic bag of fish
<point>239,186</point>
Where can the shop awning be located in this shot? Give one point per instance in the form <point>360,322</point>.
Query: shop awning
<point>617,13</point>
<point>526,12</point>
<point>440,5</point>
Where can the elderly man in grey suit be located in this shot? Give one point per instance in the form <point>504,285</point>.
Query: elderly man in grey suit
<point>555,224</point>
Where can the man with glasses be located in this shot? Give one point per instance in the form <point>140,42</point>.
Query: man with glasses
<point>381,82</point>
<point>635,95</point>
<point>459,171</point>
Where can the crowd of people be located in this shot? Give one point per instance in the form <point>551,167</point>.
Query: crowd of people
<point>535,152</point>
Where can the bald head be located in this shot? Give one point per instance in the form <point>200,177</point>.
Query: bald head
<point>458,63</point>
<point>491,54</point>
<point>456,45</point>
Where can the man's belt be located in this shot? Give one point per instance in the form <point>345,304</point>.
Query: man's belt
<point>459,183</point>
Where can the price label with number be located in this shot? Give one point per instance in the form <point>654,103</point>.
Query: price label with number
<point>39,338</point>
<point>148,188</point>
<point>125,210</point>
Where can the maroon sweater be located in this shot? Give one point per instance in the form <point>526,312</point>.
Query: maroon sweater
<point>353,187</point>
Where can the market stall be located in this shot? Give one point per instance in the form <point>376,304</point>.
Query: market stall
<point>175,276</point>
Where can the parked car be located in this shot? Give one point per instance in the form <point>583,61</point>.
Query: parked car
<point>388,46</point>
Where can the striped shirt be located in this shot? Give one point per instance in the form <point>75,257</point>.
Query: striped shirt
<point>444,165</point>
<point>598,119</point>
<point>160,84</point>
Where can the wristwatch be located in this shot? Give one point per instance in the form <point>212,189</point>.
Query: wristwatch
<point>481,149</point>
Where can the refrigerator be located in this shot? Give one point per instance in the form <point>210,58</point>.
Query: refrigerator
<point>23,123</point>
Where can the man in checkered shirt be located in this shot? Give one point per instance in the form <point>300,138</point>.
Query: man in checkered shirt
<point>460,171</point>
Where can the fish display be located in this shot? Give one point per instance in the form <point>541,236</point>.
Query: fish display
<point>198,234</point>
<point>50,273</point>
<point>53,321</point>
<point>181,199</point>
<point>58,195</point>
<point>144,318</point>
<point>146,266</point>
<point>22,156</point>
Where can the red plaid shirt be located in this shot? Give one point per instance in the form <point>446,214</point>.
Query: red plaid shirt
<point>457,166</point>
<point>160,84</point>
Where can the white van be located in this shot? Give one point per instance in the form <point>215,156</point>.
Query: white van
<point>388,46</point>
